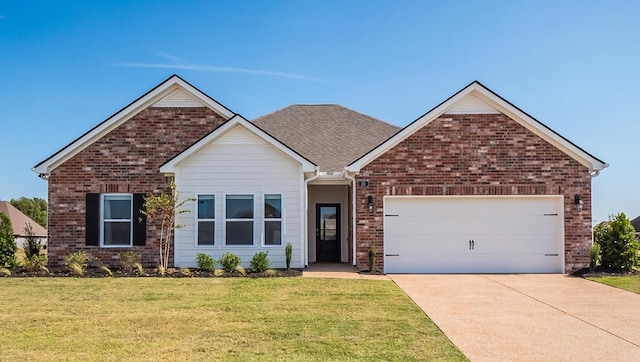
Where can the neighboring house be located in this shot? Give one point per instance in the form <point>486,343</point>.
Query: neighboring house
<point>19,222</point>
<point>473,185</point>
<point>636,225</point>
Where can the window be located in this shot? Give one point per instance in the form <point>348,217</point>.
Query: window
<point>272,219</point>
<point>206,219</point>
<point>117,226</point>
<point>239,220</point>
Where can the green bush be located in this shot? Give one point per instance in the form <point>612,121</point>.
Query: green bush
<point>129,260</point>
<point>8,245</point>
<point>32,246</point>
<point>260,262</point>
<point>618,243</point>
<point>205,262</point>
<point>288,252</point>
<point>594,256</point>
<point>372,257</point>
<point>229,261</point>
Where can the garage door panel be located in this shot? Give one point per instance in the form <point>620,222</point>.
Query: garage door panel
<point>510,234</point>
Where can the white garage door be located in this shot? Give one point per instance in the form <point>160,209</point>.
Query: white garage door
<point>474,234</point>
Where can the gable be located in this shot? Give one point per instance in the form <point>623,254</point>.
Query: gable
<point>470,100</point>
<point>239,134</point>
<point>173,92</point>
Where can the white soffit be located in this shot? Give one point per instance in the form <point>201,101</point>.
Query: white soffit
<point>178,98</point>
<point>471,105</point>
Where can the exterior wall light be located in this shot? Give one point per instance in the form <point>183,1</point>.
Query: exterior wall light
<point>370,202</point>
<point>577,200</point>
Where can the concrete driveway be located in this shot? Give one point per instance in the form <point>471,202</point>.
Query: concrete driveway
<point>530,317</point>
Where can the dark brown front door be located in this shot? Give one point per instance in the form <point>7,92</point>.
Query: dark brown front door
<point>328,232</point>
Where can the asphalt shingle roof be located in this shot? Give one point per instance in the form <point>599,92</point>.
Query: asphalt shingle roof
<point>329,135</point>
<point>19,221</point>
<point>636,223</point>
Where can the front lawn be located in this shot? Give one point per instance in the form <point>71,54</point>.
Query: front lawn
<point>627,282</point>
<point>214,319</point>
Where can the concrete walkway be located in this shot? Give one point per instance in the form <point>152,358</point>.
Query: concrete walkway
<point>337,271</point>
<point>530,317</point>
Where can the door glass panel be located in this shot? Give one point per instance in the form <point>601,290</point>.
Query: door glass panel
<point>328,223</point>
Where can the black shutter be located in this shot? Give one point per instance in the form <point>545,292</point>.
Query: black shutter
<point>139,221</point>
<point>92,219</point>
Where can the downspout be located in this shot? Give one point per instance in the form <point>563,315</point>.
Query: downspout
<point>306,215</point>
<point>353,212</point>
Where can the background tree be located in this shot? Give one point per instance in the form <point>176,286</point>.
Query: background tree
<point>618,243</point>
<point>162,209</point>
<point>35,208</point>
<point>8,245</point>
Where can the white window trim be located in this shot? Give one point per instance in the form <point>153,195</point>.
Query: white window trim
<point>103,220</point>
<point>225,220</point>
<point>265,219</point>
<point>215,222</point>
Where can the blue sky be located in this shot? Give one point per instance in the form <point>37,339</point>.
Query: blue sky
<point>67,65</point>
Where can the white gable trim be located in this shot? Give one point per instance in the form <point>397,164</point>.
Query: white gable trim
<point>174,83</point>
<point>492,100</point>
<point>172,165</point>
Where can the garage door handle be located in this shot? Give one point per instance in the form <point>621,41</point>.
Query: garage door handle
<point>472,244</point>
<point>391,254</point>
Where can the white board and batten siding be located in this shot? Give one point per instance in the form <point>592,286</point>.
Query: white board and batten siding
<point>240,162</point>
<point>474,234</point>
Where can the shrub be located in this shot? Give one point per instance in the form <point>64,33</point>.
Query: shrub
<point>37,262</point>
<point>618,243</point>
<point>79,258</point>
<point>32,246</point>
<point>8,245</point>
<point>372,257</point>
<point>77,262</point>
<point>229,262</point>
<point>106,269</point>
<point>594,256</point>
<point>288,252</point>
<point>130,260</point>
<point>205,262</point>
<point>260,262</point>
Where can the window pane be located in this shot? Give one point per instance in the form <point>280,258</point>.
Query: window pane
<point>117,207</point>
<point>206,232</point>
<point>239,233</point>
<point>272,232</point>
<point>239,207</point>
<point>272,206</point>
<point>206,207</point>
<point>117,233</point>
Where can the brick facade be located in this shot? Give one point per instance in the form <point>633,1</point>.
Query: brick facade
<point>475,154</point>
<point>126,160</point>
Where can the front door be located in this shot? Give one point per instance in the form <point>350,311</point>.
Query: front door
<point>328,232</point>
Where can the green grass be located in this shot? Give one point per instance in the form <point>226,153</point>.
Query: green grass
<point>630,283</point>
<point>238,319</point>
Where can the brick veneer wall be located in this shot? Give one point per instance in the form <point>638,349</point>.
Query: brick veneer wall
<point>126,160</point>
<point>488,154</point>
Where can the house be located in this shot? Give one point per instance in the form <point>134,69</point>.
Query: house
<point>19,222</point>
<point>636,225</point>
<point>475,185</point>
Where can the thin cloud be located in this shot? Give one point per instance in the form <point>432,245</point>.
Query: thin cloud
<point>181,64</point>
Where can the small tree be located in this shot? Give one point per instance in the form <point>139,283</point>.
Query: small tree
<point>163,209</point>
<point>32,245</point>
<point>8,245</point>
<point>618,243</point>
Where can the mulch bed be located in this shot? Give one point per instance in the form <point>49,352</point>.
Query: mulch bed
<point>96,272</point>
<point>603,272</point>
